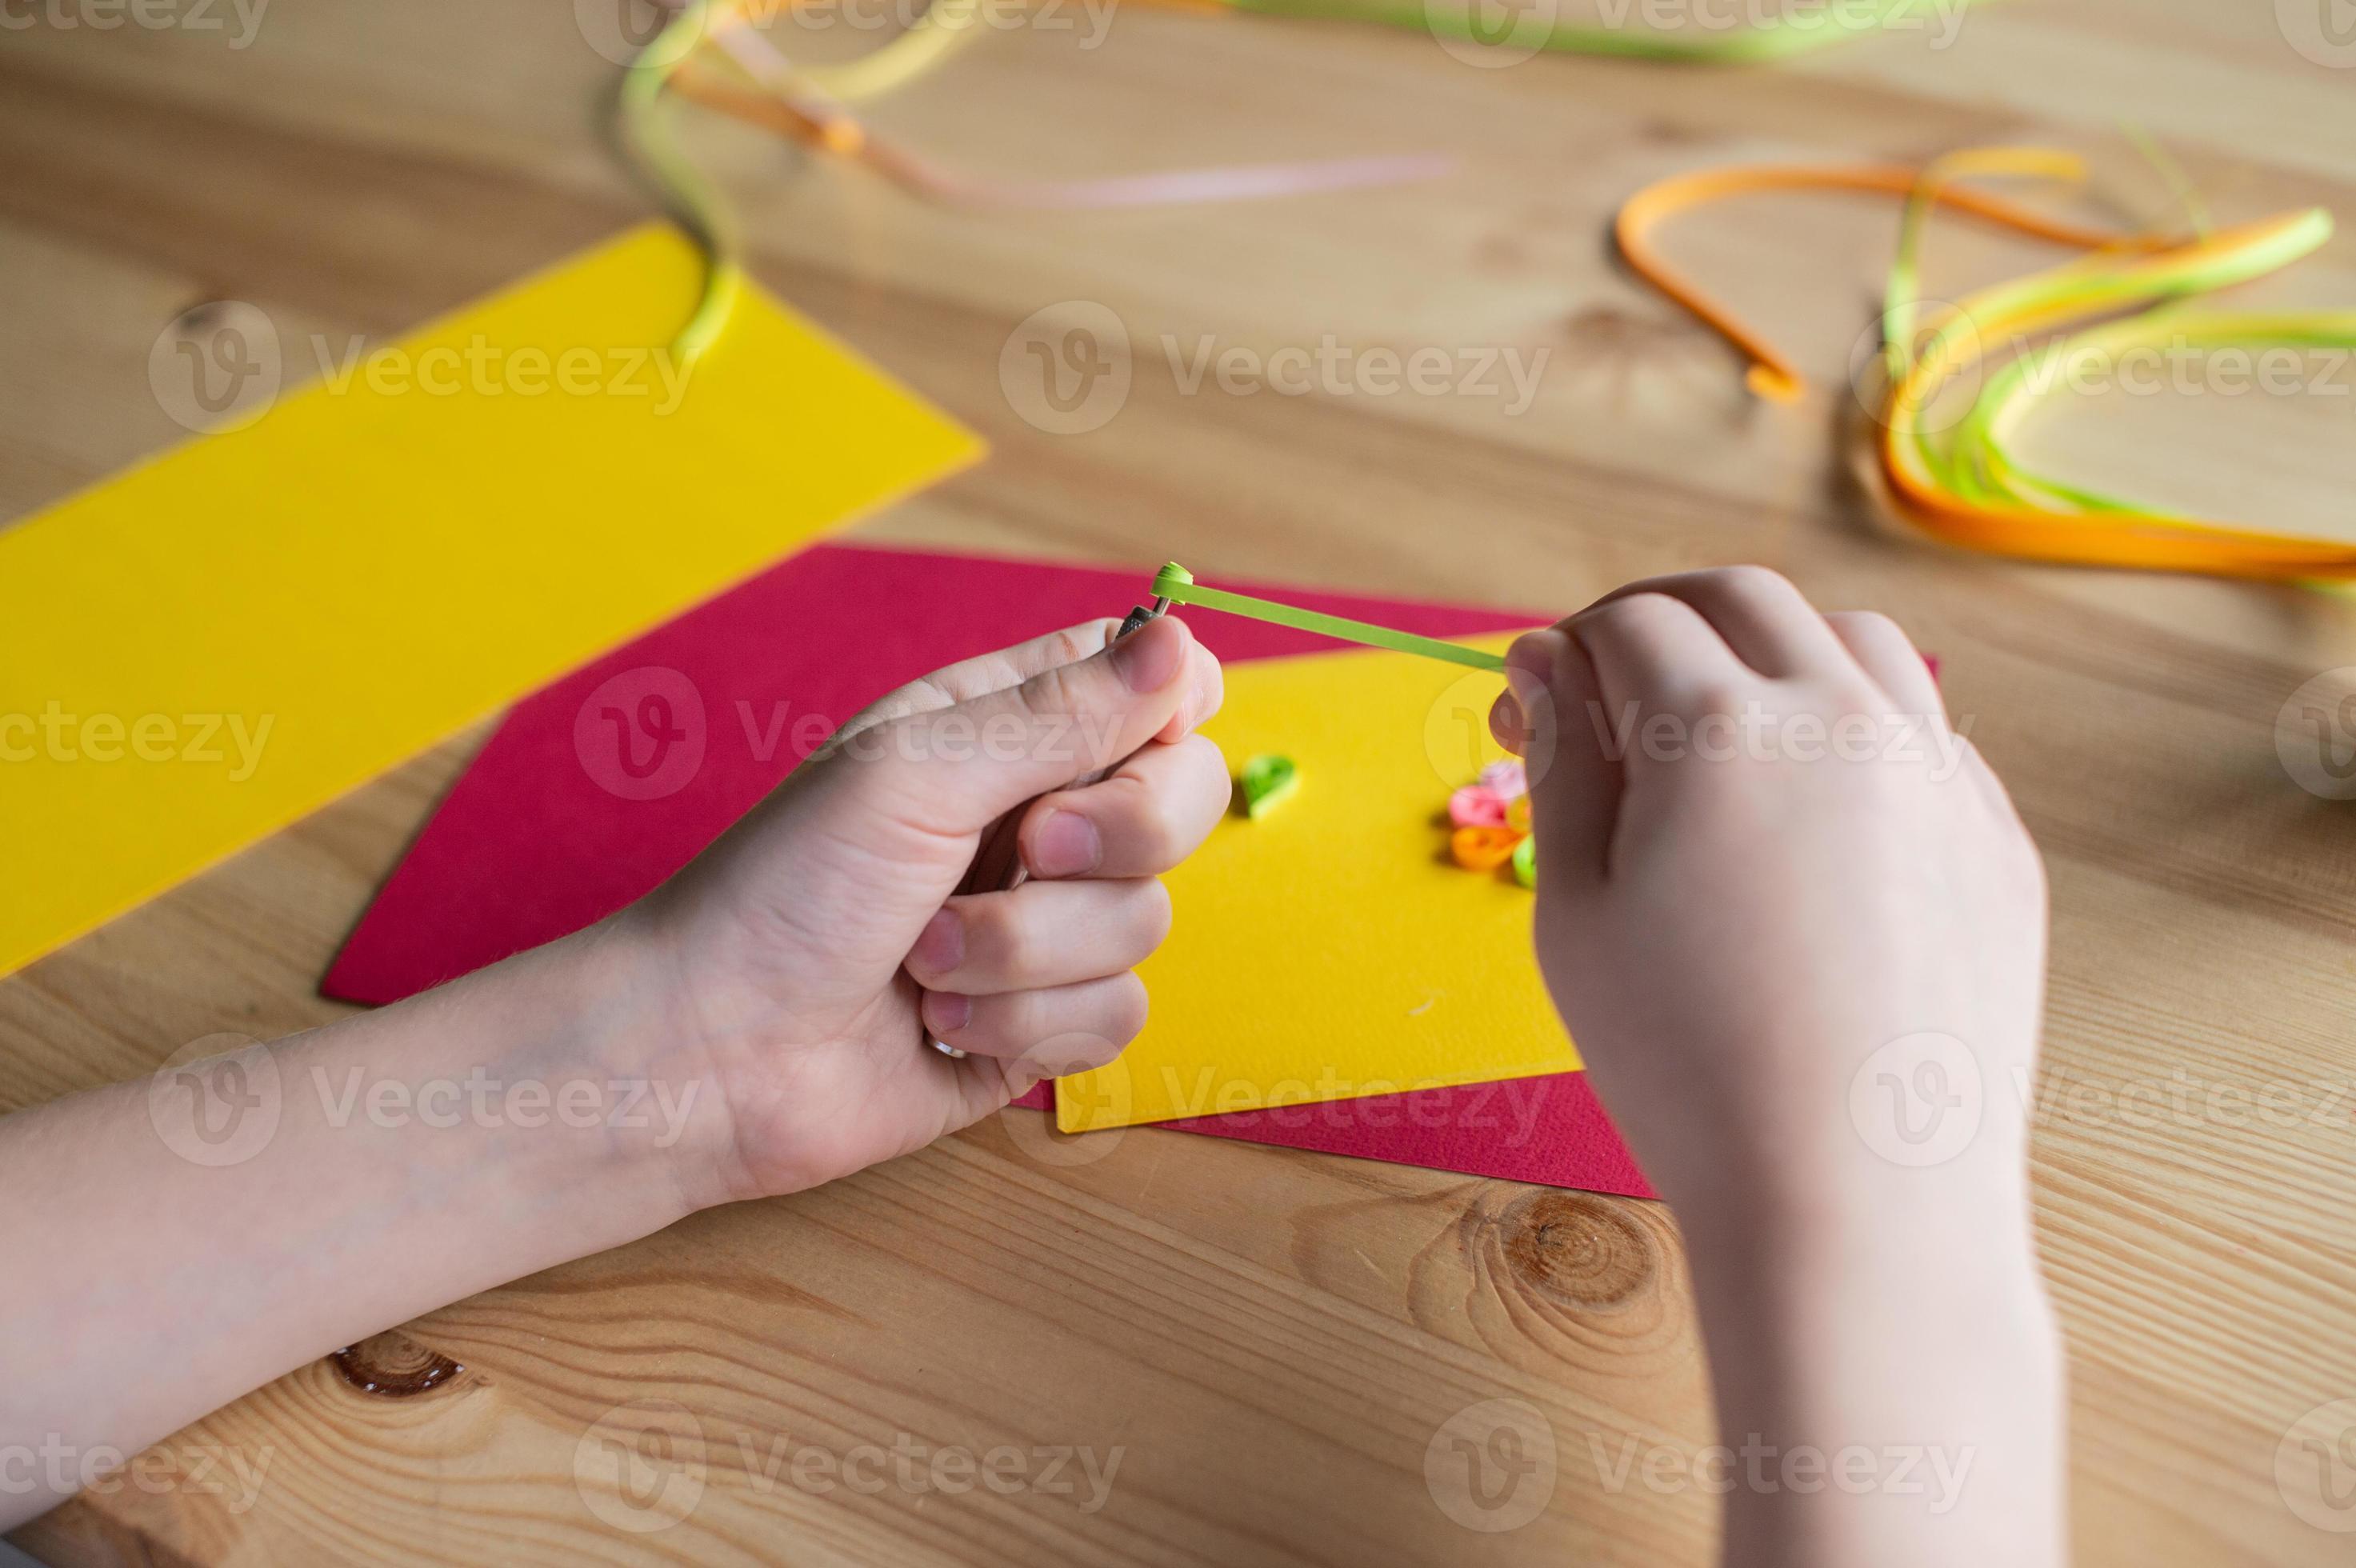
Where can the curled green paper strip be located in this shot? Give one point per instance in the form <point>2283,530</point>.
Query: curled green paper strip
<point>1177,585</point>
<point>1804,29</point>
<point>1269,781</point>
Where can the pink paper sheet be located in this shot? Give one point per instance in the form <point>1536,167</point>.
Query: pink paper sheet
<point>554,826</point>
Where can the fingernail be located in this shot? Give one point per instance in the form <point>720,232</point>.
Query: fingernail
<point>1065,845</point>
<point>941,947</point>
<point>945,1011</point>
<point>1506,720</point>
<point>1149,658</point>
<point>1534,652</point>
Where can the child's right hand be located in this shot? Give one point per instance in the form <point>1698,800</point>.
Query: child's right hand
<point>1749,918</point>
<point>1799,937</point>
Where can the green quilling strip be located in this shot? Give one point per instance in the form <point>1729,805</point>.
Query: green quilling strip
<point>1177,585</point>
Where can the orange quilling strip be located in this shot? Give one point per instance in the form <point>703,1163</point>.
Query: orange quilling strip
<point>2167,269</point>
<point>1483,848</point>
<point>1771,374</point>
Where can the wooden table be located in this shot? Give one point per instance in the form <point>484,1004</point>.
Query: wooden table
<point>1273,1339</point>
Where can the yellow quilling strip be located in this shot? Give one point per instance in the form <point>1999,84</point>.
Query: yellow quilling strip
<point>1802,31</point>
<point>646,137</point>
<point>1964,489</point>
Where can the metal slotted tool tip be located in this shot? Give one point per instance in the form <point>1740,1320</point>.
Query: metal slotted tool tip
<point>998,863</point>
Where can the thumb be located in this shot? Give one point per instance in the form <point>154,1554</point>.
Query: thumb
<point>1574,781</point>
<point>958,770</point>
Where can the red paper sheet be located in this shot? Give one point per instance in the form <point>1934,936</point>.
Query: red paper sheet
<point>555,826</point>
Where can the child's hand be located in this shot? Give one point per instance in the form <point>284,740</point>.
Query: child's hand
<point>809,951</point>
<point>1801,865</point>
<point>1799,937</point>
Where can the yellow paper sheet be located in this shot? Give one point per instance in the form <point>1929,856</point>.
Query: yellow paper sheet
<point>1332,949</point>
<point>200,650</point>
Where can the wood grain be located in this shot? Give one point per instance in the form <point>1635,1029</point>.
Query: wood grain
<point>1272,1339</point>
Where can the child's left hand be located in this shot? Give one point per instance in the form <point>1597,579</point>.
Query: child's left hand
<point>801,962</point>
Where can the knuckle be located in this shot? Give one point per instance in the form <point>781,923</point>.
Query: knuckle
<point>1155,837</point>
<point>1155,912</point>
<point>1085,641</point>
<point>998,935</point>
<point>1752,581</point>
<point>1126,1016</point>
<point>1870,625</point>
<point>1057,692</point>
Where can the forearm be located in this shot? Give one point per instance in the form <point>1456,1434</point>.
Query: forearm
<point>1889,1388</point>
<point>178,1242</point>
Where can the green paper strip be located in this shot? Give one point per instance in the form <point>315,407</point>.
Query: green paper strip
<point>1804,29</point>
<point>1176,584</point>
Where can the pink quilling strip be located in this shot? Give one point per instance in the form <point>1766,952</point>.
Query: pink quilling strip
<point>1505,779</point>
<point>1474,807</point>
